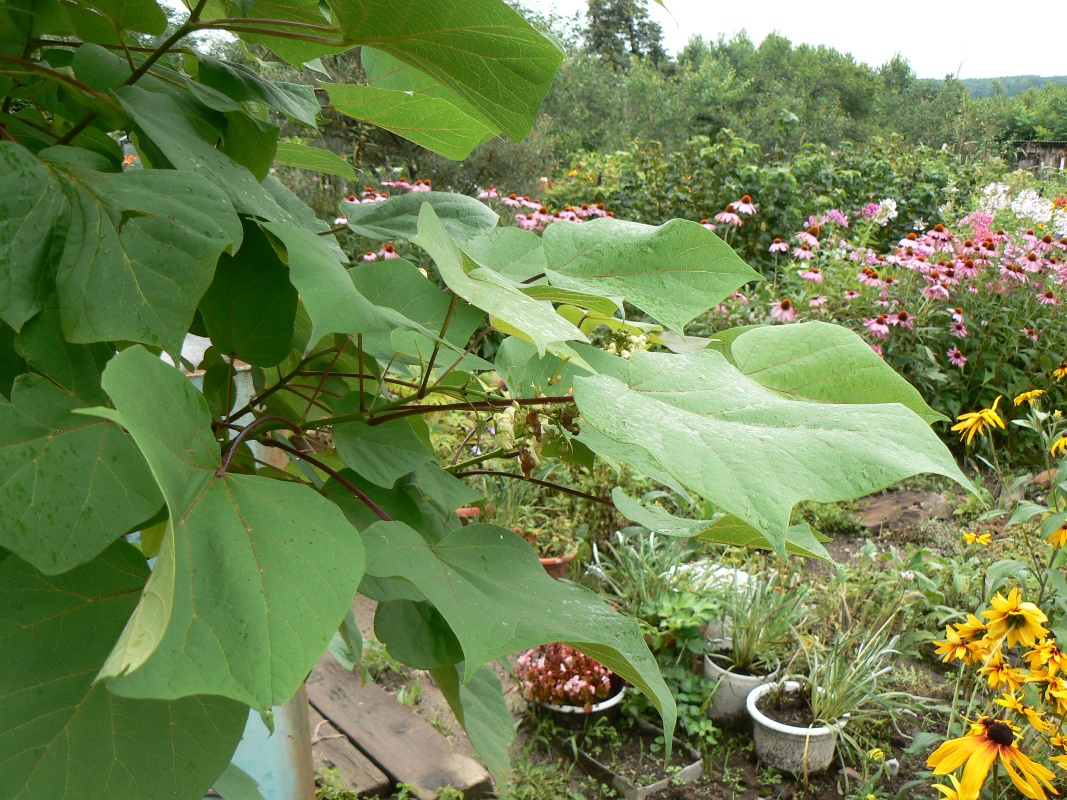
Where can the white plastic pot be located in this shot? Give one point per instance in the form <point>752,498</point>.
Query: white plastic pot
<point>576,716</point>
<point>786,747</point>
<point>730,689</point>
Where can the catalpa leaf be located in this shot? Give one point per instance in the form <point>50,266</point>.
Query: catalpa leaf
<point>820,361</point>
<point>673,272</point>
<point>488,585</point>
<point>254,574</point>
<point>62,735</point>
<point>490,291</point>
<point>429,122</point>
<point>696,423</point>
<point>464,218</point>
<point>800,540</point>
<point>294,154</point>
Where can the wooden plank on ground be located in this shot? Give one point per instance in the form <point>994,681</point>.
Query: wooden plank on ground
<point>331,749</point>
<point>403,745</point>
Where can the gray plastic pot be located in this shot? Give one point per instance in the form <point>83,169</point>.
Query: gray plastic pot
<point>786,747</point>
<point>730,689</point>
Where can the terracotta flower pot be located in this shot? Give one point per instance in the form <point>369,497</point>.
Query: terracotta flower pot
<point>557,567</point>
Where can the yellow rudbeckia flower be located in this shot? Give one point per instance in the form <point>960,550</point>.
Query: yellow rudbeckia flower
<point>987,740</point>
<point>983,539</point>
<point>1061,371</point>
<point>975,422</point>
<point>1058,538</point>
<point>1059,447</point>
<point>1018,620</point>
<point>1028,397</point>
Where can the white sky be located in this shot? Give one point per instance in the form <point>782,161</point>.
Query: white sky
<point>976,39</point>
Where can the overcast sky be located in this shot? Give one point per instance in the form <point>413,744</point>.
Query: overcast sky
<point>976,39</point>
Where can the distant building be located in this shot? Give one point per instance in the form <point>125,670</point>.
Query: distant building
<point>1040,156</point>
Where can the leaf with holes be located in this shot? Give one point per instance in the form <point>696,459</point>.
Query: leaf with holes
<point>254,575</point>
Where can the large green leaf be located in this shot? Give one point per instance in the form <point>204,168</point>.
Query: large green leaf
<point>236,81</point>
<point>381,453</point>
<point>481,49</point>
<point>416,634</point>
<point>254,575</point>
<point>64,736</point>
<point>250,306</point>
<point>70,485</point>
<point>490,588</point>
<point>132,15</point>
<point>399,285</point>
<point>294,154</point>
<point>482,710</point>
<point>398,218</point>
<point>800,539</point>
<point>820,361</point>
<point>511,251</point>
<point>696,423</point>
<point>673,272</point>
<point>489,290</point>
<point>31,207</point>
<point>429,122</point>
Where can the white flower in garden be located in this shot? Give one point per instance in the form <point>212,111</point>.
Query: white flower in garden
<point>505,426</point>
<point>1059,222</point>
<point>1031,205</point>
<point>995,197</point>
<point>887,210</point>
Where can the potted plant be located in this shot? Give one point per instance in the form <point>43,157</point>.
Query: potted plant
<point>799,722</point>
<point>521,506</point>
<point>758,617</point>
<point>569,685</point>
<point>628,756</point>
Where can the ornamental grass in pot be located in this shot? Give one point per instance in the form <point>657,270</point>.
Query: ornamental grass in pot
<point>799,722</point>
<point>757,622</point>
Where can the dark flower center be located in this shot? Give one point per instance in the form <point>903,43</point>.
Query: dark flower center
<point>999,732</point>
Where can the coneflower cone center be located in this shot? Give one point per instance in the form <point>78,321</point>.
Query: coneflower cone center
<point>1000,732</point>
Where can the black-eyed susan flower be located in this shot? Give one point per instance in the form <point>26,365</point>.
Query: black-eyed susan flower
<point>949,792</point>
<point>975,423</point>
<point>984,539</point>
<point>972,628</point>
<point>1000,673</point>
<point>1036,719</point>
<point>1047,655</point>
<point>1058,538</point>
<point>1028,397</point>
<point>988,740</point>
<point>1019,621</point>
<point>1060,372</point>
<point>1059,447</point>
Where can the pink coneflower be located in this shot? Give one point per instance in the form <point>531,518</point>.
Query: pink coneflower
<point>389,251</point>
<point>1047,298</point>
<point>877,326</point>
<point>810,237</point>
<point>877,348</point>
<point>370,256</point>
<point>803,253</point>
<point>778,246</point>
<point>709,225</point>
<point>739,297</point>
<point>340,220</point>
<point>1031,262</point>
<point>784,311</point>
<point>526,201</point>
<point>1029,333</point>
<point>868,277</point>
<point>902,318</point>
<point>957,329</point>
<point>956,358</point>
<point>728,216</point>
<point>744,206</point>
<point>351,199</point>
<point>513,201</point>
<point>813,274</point>
<point>936,291</point>
<point>815,302</point>
<point>1013,272</point>
<point>851,294</point>
<point>939,234</point>
<point>488,194</point>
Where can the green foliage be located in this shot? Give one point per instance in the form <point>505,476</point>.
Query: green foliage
<point>266,519</point>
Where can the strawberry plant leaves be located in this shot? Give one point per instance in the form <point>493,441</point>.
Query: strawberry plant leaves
<point>62,734</point>
<point>673,272</point>
<point>254,575</point>
<point>695,422</point>
<point>488,585</point>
